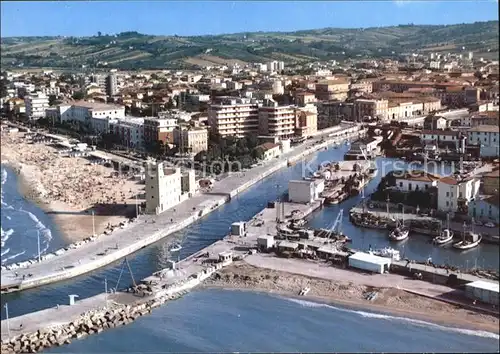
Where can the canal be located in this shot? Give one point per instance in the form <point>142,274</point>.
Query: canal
<point>217,224</point>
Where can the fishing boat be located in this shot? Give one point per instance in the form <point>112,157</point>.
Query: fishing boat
<point>401,232</point>
<point>470,239</point>
<point>446,235</point>
<point>175,248</point>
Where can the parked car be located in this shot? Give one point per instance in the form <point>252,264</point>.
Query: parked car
<point>489,224</point>
<point>478,223</point>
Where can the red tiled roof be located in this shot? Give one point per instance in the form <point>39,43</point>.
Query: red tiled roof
<point>449,180</point>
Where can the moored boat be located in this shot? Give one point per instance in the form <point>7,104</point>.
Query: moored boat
<point>399,234</point>
<point>470,240</point>
<point>175,248</point>
<point>387,252</point>
<point>445,237</point>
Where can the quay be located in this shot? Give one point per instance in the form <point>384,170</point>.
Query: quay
<point>490,235</point>
<point>148,229</point>
<point>62,324</point>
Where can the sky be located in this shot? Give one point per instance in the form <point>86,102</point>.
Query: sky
<point>61,18</point>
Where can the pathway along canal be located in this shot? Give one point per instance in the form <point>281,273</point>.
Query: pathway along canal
<point>215,226</point>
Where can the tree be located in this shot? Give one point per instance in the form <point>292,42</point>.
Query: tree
<point>79,95</point>
<point>52,100</point>
<point>99,33</point>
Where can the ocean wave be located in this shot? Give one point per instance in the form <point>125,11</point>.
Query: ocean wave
<point>4,176</point>
<point>44,231</point>
<point>5,235</point>
<point>380,316</point>
<point>4,260</point>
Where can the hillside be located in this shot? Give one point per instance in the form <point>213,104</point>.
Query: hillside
<point>132,50</point>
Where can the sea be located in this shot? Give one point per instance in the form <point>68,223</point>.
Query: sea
<point>21,220</point>
<point>23,223</point>
<point>228,321</point>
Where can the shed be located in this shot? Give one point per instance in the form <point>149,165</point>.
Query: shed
<point>369,262</point>
<point>484,291</point>
<point>225,256</point>
<point>265,242</point>
<point>238,228</point>
<point>287,246</point>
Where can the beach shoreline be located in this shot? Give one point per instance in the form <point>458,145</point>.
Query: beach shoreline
<point>390,301</point>
<point>73,223</point>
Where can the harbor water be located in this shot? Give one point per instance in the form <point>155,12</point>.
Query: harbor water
<point>234,321</point>
<point>216,225</point>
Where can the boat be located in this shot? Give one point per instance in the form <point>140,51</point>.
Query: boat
<point>446,235</point>
<point>387,252</point>
<point>470,239</point>
<point>399,234</point>
<point>175,248</point>
<point>304,291</point>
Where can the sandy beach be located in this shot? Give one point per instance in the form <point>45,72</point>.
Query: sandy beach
<point>242,276</point>
<point>69,188</point>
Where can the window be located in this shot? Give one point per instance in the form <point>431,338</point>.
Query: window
<point>447,203</point>
<point>447,194</point>
<point>409,186</point>
<point>451,194</point>
<point>426,186</point>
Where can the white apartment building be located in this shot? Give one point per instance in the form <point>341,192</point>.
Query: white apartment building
<point>36,105</point>
<point>416,180</point>
<point>278,121</point>
<point>130,130</point>
<point>231,116</point>
<point>51,90</point>
<point>163,188</point>
<point>98,116</point>
<point>486,137</point>
<point>454,194</point>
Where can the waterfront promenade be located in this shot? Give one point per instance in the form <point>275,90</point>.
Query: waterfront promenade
<point>148,229</point>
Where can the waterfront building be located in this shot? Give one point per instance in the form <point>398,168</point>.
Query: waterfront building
<point>485,209</point>
<point>440,137</point>
<point>305,191</point>
<point>191,139</point>
<point>163,188</point>
<point>268,151</point>
<point>233,116</point>
<point>277,121</point>
<point>416,180</point>
<point>455,194</point>
<point>98,117</point>
<point>130,131</point>
<point>370,109</point>
<point>159,129</point>
<point>306,121</point>
<point>36,105</point>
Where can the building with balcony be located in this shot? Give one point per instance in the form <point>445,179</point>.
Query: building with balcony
<point>275,120</point>
<point>455,194</point>
<point>232,116</point>
<point>36,105</point>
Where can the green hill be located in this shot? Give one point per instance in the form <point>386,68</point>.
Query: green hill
<point>132,50</point>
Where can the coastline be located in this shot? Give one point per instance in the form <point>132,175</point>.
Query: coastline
<point>73,225</point>
<point>391,301</point>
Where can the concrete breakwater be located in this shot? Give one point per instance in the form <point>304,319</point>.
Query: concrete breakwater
<point>92,322</point>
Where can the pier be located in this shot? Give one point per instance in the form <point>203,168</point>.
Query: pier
<point>148,229</point>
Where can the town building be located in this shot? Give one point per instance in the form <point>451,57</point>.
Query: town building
<point>305,191</point>
<point>370,109</point>
<point>232,116</point>
<point>434,122</point>
<point>163,188</point>
<point>130,131</point>
<point>111,85</point>
<point>485,209</point>
<point>159,129</point>
<point>480,118</point>
<point>306,121</point>
<point>268,151</point>
<point>327,90</point>
<point>440,137</point>
<point>91,115</point>
<point>491,182</point>
<point>191,140</point>
<point>331,112</point>
<point>455,194</point>
<point>486,137</point>
<point>275,120</point>
<point>36,105</point>
<point>416,180</point>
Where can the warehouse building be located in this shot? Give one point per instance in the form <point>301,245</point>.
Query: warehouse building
<point>369,262</point>
<point>484,291</point>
